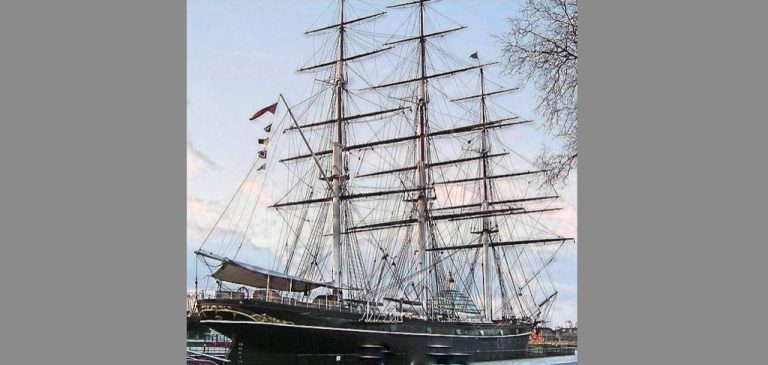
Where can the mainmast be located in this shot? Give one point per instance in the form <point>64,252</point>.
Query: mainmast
<point>337,168</point>
<point>423,164</point>
<point>421,175</point>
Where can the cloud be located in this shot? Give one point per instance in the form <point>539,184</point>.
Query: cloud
<point>200,209</point>
<point>255,189</point>
<point>564,221</point>
<point>198,163</point>
<point>250,204</point>
<point>195,232</point>
<point>201,214</point>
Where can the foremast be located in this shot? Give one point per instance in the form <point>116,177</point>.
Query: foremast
<point>338,177</point>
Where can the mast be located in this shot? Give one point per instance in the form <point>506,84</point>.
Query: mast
<point>421,176</point>
<point>423,165</point>
<point>485,238</point>
<point>337,168</point>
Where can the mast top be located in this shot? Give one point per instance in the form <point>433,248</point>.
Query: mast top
<point>418,2</point>
<point>345,22</point>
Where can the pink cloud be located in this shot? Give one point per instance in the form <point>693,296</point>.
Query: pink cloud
<point>564,221</point>
<point>255,189</point>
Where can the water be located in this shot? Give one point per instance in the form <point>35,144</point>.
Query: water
<point>551,360</point>
<point>554,360</point>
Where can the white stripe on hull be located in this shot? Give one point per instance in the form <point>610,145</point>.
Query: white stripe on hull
<point>359,330</point>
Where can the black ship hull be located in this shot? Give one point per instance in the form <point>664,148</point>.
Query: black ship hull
<point>271,343</point>
<point>292,334</point>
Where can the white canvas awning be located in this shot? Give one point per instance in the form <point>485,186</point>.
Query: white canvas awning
<point>245,274</point>
<point>242,273</point>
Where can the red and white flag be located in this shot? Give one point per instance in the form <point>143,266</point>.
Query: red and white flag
<point>272,108</point>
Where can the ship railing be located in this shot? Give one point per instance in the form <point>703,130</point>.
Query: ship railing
<point>273,297</point>
<point>206,356</point>
<point>327,305</point>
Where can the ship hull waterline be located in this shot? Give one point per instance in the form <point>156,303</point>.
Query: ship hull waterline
<point>256,343</point>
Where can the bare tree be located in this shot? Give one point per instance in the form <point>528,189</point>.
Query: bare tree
<point>541,48</point>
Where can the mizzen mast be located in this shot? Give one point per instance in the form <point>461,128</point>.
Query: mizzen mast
<point>485,238</point>
<point>488,214</point>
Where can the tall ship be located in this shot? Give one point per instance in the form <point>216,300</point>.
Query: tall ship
<point>408,232</point>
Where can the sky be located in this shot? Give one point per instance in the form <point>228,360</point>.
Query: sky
<point>242,53</point>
